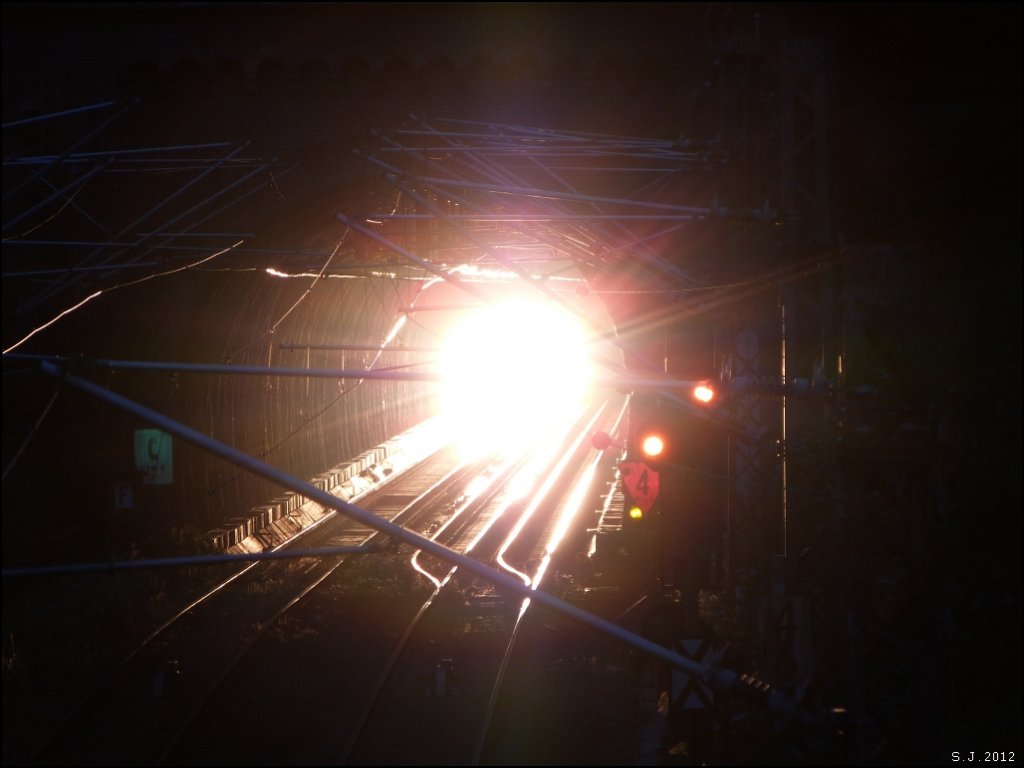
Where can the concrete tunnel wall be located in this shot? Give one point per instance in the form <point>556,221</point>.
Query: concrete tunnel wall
<point>83,450</point>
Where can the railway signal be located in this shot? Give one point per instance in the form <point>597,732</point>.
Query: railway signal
<point>703,393</point>
<point>652,436</point>
<point>652,444</point>
<point>660,434</point>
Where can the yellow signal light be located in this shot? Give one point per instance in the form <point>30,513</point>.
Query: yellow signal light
<point>635,513</point>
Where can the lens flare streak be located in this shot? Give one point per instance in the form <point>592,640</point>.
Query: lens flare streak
<point>541,495</point>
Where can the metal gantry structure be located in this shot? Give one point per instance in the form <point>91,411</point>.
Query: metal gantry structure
<point>78,221</point>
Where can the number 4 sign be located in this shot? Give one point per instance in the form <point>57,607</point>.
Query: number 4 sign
<point>641,482</point>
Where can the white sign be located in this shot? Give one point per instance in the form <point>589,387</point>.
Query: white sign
<point>688,691</point>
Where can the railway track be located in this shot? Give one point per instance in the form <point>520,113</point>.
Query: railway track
<point>466,635</point>
<point>309,661</point>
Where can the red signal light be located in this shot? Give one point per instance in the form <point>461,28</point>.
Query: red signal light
<point>652,445</point>
<point>703,393</point>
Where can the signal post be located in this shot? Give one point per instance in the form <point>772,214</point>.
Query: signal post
<point>673,482</point>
